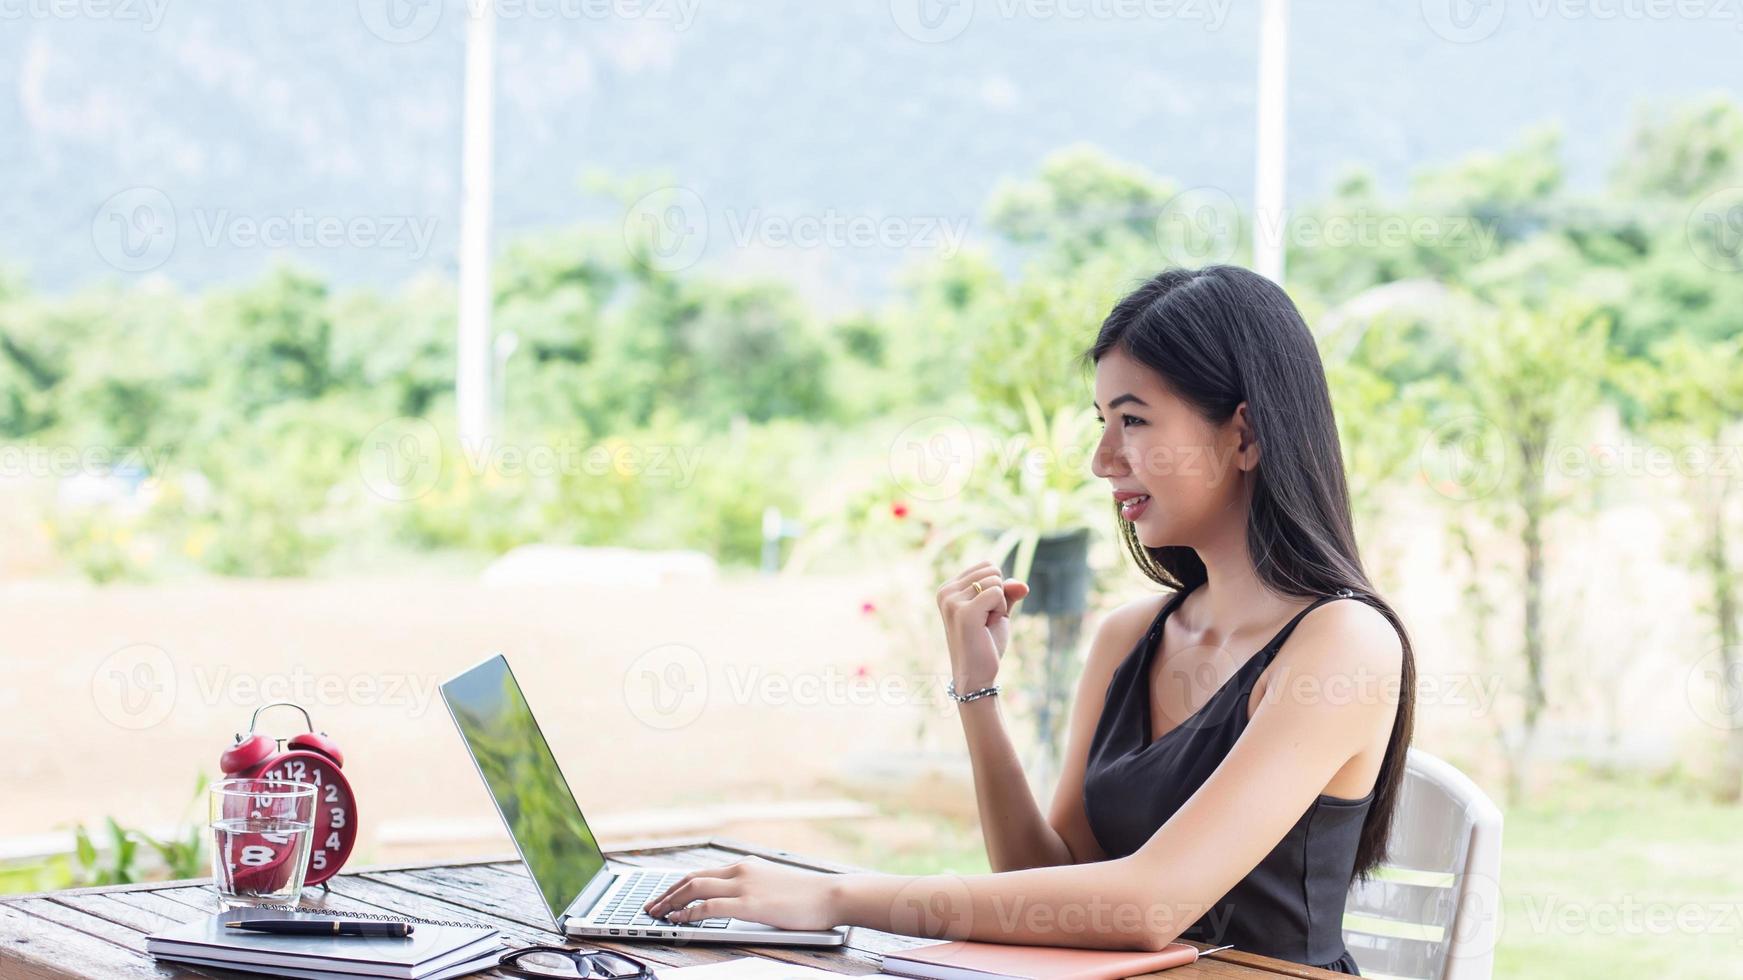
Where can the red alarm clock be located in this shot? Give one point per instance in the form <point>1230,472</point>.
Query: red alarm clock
<point>311,757</point>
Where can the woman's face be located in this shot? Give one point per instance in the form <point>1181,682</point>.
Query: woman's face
<point>1155,444</point>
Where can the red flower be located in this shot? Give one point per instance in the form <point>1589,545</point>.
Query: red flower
<point>899,509</point>
<point>867,608</point>
<point>861,671</point>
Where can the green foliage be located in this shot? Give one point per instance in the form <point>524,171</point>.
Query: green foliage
<point>111,867</point>
<point>1682,153</point>
<point>181,856</point>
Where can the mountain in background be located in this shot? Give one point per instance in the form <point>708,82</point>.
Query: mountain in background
<point>253,120</point>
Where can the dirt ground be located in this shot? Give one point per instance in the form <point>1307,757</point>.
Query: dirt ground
<point>735,706</point>
<point>769,708</point>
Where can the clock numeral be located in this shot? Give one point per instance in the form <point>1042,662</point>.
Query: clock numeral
<point>336,817</point>
<point>255,855</point>
<point>333,841</point>
<point>332,792</point>
<point>320,861</point>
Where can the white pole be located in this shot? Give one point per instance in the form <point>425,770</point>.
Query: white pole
<point>1269,225</point>
<point>472,373</point>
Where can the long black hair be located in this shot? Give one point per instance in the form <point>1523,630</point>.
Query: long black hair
<point>1222,335</point>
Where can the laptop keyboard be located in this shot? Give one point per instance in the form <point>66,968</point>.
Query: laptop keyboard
<point>624,908</point>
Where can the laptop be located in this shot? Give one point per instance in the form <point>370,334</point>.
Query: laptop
<point>585,897</point>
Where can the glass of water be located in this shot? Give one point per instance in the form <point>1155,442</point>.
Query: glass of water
<point>261,832</point>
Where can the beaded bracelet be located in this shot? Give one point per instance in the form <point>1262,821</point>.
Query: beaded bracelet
<point>970,696</point>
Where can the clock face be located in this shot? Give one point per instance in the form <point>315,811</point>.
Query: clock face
<point>335,809</point>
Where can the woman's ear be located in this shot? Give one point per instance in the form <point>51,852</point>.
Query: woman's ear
<point>1246,454</point>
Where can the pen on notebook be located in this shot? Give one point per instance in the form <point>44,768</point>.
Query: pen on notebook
<point>322,927</point>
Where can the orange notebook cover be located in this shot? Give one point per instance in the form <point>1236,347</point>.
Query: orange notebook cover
<point>982,961</point>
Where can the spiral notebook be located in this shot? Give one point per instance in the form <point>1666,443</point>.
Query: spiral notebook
<point>435,950</point>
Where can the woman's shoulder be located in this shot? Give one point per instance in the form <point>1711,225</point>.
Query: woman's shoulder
<point>1123,627</point>
<point>1345,635</point>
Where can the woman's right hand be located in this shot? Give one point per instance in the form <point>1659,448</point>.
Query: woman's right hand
<point>976,627</point>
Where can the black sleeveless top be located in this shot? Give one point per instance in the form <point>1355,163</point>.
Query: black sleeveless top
<point>1291,905</point>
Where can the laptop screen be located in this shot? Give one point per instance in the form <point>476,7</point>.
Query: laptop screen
<point>530,791</point>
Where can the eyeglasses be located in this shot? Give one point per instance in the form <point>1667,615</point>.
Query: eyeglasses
<point>562,963</point>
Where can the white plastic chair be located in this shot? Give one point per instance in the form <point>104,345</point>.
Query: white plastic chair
<point>1433,910</point>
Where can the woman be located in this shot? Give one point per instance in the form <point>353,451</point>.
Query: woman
<point>1237,746</point>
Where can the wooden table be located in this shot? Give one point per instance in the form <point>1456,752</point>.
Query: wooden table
<point>100,932</point>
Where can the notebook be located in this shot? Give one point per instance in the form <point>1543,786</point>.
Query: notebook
<point>434,950</point>
<point>992,961</point>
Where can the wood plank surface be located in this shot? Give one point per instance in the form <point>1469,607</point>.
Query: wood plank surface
<point>100,932</point>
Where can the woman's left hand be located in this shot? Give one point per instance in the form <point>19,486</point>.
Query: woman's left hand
<point>754,889</point>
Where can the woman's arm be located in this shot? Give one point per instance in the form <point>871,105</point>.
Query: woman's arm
<point>1334,695</point>
<point>1017,835</point>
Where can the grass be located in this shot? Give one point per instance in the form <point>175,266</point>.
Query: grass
<point>1622,876</point>
<point>1595,875</point>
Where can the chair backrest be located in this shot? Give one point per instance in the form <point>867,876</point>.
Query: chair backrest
<point>1432,910</point>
